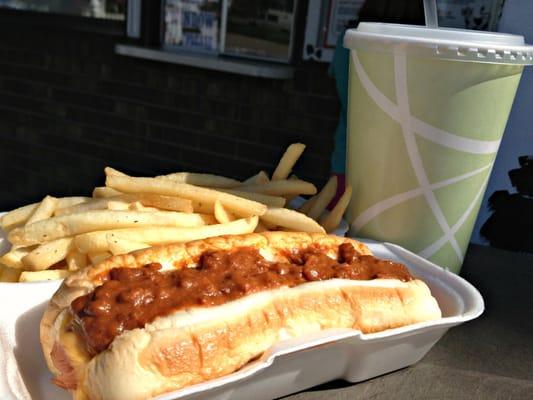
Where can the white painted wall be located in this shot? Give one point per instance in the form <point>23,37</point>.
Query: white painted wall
<point>517,18</point>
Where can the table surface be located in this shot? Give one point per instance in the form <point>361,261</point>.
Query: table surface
<point>488,358</point>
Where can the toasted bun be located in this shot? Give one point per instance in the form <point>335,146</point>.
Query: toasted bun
<point>198,344</point>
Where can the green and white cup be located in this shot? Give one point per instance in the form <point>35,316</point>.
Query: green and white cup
<point>427,110</point>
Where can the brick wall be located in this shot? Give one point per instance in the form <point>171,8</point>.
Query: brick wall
<point>69,106</point>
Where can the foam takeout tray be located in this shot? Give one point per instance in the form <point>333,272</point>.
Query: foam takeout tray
<point>288,367</point>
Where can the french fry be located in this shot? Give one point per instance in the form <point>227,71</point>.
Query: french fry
<point>291,219</point>
<point>271,201</point>
<point>101,241</point>
<point>98,257</point>
<point>221,214</point>
<point>289,158</point>
<point>104,191</point>
<point>170,203</point>
<point>135,206</point>
<point>92,242</point>
<point>146,199</point>
<point>323,198</point>
<point>97,241</point>
<point>282,188</point>
<point>118,245</point>
<point>20,215</point>
<point>47,275</point>
<point>13,258</point>
<point>138,206</point>
<point>95,204</point>
<point>47,254</point>
<point>289,198</point>
<point>305,207</point>
<point>116,205</point>
<point>44,210</point>
<point>74,224</point>
<point>8,274</point>
<point>76,260</point>
<point>258,179</point>
<point>71,201</point>
<point>207,180</point>
<point>237,205</point>
<point>331,221</point>
<point>200,206</point>
<point>113,172</point>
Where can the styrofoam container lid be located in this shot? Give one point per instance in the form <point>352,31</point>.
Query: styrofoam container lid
<point>446,43</point>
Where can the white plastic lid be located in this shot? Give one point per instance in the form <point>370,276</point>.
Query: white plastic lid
<point>447,43</point>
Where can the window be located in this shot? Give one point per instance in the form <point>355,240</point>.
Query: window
<point>243,28</point>
<point>260,29</point>
<point>102,9</point>
<point>326,19</point>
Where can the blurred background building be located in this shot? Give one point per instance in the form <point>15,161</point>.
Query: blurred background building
<point>203,85</point>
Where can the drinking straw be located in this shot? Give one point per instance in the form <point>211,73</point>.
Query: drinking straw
<point>430,13</point>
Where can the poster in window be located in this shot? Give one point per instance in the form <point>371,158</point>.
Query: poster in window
<point>260,29</point>
<point>192,24</point>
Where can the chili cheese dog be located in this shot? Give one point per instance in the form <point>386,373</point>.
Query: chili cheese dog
<point>146,323</point>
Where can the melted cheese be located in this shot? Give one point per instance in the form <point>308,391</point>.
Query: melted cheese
<point>74,348</point>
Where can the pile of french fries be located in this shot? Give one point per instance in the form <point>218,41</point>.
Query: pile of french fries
<point>53,238</point>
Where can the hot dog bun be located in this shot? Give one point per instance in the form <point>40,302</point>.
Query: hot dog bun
<point>195,345</point>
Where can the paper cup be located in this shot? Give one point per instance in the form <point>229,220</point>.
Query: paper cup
<point>427,110</point>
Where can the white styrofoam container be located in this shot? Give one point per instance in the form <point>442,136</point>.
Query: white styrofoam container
<point>286,368</point>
